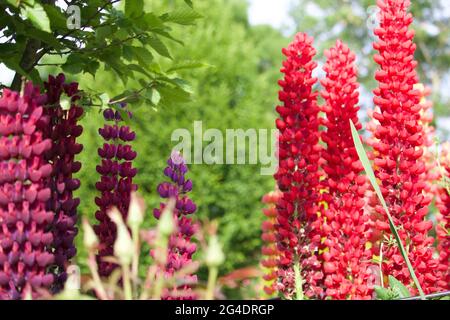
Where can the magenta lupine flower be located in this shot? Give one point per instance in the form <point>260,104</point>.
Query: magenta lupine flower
<point>116,182</point>
<point>63,130</point>
<point>26,237</point>
<point>181,248</point>
<point>344,224</point>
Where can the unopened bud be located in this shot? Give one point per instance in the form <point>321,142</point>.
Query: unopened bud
<point>135,211</point>
<point>123,246</point>
<point>214,254</point>
<point>166,225</point>
<point>90,239</point>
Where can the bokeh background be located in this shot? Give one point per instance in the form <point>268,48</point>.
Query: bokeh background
<point>241,42</point>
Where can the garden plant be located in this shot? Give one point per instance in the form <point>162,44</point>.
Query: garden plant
<point>96,203</point>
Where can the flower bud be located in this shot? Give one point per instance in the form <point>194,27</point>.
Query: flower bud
<point>166,225</point>
<point>90,240</point>
<point>123,246</point>
<point>135,211</point>
<point>214,254</point>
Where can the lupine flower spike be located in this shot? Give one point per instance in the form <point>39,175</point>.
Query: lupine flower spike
<point>443,219</point>
<point>25,223</point>
<point>116,182</point>
<point>64,131</point>
<point>399,149</point>
<point>298,173</point>
<point>269,250</point>
<point>344,224</point>
<point>181,247</point>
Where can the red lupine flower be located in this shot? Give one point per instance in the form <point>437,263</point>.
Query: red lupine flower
<point>116,183</point>
<point>431,174</point>
<point>344,224</point>
<point>63,130</point>
<point>399,148</point>
<point>298,173</point>
<point>25,222</point>
<point>443,219</point>
<point>181,247</point>
<point>269,250</point>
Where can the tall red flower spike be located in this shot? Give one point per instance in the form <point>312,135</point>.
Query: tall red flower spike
<point>298,173</point>
<point>64,131</point>
<point>443,219</point>
<point>25,224</point>
<point>269,250</point>
<point>344,224</point>
<point>399,149</point>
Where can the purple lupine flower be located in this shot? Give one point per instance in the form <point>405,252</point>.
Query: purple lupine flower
<point>181,248</point>
<point>25,222</point>
<point>116,182</point>
<point>64,131</point>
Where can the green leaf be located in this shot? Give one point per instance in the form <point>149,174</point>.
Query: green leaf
<point>159,46</point>
<point>57,19</point>
<point>142,55</point>
<point>74,63</point>
<point>91,67</point>
<point>38,17</point>
<point>156,97</point>
<point>382,293</point>
<point>399,288</point>
<point>46,37</point>
<point>134,8</point>
<point>152,21</point>
<point>187,65</point>
<point>14,3</point>
<point>189,3</point>
<point>185,16</point>
<point>373,181</point>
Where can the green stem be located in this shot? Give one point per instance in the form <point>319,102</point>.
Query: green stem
<point>135,263</point>
<point>127,283</point>
<point>298,282</point>
<point>98,285</point>
<point>212,279</point>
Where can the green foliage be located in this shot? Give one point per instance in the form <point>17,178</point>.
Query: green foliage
<point>236,88</point>
<point>119,38</point>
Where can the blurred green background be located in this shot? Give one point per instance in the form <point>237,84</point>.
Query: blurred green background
<point>239,90</point>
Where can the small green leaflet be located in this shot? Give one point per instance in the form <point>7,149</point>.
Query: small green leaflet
<point>399,289</point>
<point>373,181</point>
<point>185,16</point>
<point>134,8</point>
<point>38,17</point>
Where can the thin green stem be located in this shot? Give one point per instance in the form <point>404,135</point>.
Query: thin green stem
<point>298,282</point>
<point>98,285</point>
<point>135,263</point>
<point>212,279</point>
<point>127,282</point>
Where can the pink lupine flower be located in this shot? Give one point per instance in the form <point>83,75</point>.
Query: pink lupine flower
<point>64,131</point>
<point>399,149</point>
<point>26,237</point>
<point>181,248</point>
<point>344,224</point>
<point>116,183</point>
<point>298,173</point>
